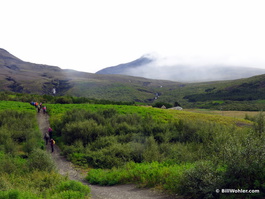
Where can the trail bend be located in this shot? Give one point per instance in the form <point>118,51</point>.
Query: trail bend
<point>66,168</point>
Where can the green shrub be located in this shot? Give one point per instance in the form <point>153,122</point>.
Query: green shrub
<point>112,156</point>
<point>201,181</point>
<point>72,185</point>
<point>40,160</point>
<point>245,162</point>
<point>103,142</point>
<point>87,131</point>
<point>16,194</point>
<point>151,152</point>
<point>15,165</point>
<point>145,174</point>
<point>137,150</point>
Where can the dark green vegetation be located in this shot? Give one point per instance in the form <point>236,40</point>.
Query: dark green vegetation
<point>244,94</point>
<point>185,153</point>
<point>24,77</point>
<point>22,97</point>
<point>26,170</point>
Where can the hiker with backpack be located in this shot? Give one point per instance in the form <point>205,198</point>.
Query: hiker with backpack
<point>52,142</point>
<point>46,137</point>
<point>39,108</point>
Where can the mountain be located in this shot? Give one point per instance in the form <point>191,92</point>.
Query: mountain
<point>25,77</point>
<point>123,69</point>
<point>160,68</point>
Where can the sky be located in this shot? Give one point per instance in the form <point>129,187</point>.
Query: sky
<point>89,35</point>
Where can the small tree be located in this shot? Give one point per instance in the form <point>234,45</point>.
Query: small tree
<point>176,104</point>
<point>160,104</point>
<point>151,152</point>
<point>259,125</point>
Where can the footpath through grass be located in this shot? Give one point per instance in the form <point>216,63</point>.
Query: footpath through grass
<point>26,169</point>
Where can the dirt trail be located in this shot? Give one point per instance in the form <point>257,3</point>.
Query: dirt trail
<point>98,192</point>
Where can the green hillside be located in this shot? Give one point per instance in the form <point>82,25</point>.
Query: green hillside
<point>24,77</point>
<point>243,94</point>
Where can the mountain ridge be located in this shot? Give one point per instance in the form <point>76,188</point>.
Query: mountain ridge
<point>121,68</point>
<point>159,69</point>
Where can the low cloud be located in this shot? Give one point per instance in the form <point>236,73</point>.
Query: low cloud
<point>192,69</point>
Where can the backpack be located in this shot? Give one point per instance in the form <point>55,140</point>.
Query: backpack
<point>53,141</point>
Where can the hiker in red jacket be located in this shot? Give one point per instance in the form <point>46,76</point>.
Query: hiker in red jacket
<point>50,132</point>
<point>44,109</point>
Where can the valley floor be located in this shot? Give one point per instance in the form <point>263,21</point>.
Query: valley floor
<point>234,114</point>
<point>98,192</point>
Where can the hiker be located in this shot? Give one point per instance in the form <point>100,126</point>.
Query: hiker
<point>52,142</point>
<point>50,132</point>
<point>46,137</point>
<point>38,108</point>
<point>44,109</point>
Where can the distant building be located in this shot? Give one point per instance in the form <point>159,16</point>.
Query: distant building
<point>163,107</point>
<point>177,108</point>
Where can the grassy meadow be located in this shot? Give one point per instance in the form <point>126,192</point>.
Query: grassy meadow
<point>234,114</point>
<point>190,153</point>
<point>183,152</point>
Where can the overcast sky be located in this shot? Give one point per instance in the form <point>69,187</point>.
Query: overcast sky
<point>88,35</point>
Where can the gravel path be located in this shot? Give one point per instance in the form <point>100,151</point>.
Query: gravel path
<point>98,192</point>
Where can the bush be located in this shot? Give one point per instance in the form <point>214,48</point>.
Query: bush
<point>112,156</point>
<point>16,194</point>
<point>201,181</point>
<point>146,174</point>
<point>87,131</point>
<point>40,160</point>
<point>15,165</point>
<point>151,152</point>
<point>103,142</point>
<point>75,186</point>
